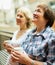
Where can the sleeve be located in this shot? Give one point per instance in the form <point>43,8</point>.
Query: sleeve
<point>51,52</point>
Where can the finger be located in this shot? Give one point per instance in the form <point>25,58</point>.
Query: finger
<point>15,58</point>
<point>10,46</point>
<point>4,44</point>
<point>14,54</point>
<point>17,52</point>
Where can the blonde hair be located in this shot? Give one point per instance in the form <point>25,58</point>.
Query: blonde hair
<point>27,13</point>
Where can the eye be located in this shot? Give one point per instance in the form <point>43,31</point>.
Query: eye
<point>19,16</point>
<point>37,10</point>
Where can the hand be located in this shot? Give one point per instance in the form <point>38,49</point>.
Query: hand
<point>8,47</point>
<point>22,58</point>
<point>4,44</point>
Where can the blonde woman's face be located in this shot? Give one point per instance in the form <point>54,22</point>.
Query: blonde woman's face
<point>20,19</point>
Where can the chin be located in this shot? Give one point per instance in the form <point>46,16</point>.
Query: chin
<point>17,24</point>
<point>34,20</point>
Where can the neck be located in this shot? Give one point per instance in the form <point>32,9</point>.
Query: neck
<point>23,28</point>
<point>40,28</point>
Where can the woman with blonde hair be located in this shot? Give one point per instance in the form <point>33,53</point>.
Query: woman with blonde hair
<point>23,19</point>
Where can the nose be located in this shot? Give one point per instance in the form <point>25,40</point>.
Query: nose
<point>34,13</point>
<point>17,17</point>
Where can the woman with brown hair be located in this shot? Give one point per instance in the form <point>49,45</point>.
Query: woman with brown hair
<point>40,42</point>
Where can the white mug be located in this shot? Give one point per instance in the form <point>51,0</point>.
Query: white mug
<point>20,49</point>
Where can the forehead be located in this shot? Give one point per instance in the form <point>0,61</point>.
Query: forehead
<point>39,8</point>
<point>43,7</point>
<point>20,13</point>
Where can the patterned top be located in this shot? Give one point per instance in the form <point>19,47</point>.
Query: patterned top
<point>41,46</point>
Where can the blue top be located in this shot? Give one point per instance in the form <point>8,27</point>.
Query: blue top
<point>41,46</point>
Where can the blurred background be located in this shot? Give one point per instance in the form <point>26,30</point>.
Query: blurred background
<point>8,10</point>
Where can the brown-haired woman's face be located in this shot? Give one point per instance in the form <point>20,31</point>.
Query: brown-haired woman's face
<point>21,19</point>
<point>38,16</point>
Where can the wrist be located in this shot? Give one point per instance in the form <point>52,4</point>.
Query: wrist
<point>30,62</point>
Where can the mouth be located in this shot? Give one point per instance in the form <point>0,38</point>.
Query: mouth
<point>18,21</point>
<point>35,16</point>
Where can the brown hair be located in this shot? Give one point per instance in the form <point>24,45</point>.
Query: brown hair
<point>48,14</point>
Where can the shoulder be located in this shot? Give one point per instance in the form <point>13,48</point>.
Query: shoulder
<point>16,32</point>
<point>52,32</point>
<point>29,30</point>
<point>52,36</point>
<point>48,33</point>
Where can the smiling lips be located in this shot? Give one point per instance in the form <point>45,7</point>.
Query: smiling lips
<point>18,21</point>
<point>35,16</point>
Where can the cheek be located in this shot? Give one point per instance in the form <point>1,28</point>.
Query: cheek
<point>35,21</point>
<point>41,18</point>
<point>24,21</point>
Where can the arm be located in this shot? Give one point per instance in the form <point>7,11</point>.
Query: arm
<point>24,59</point>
